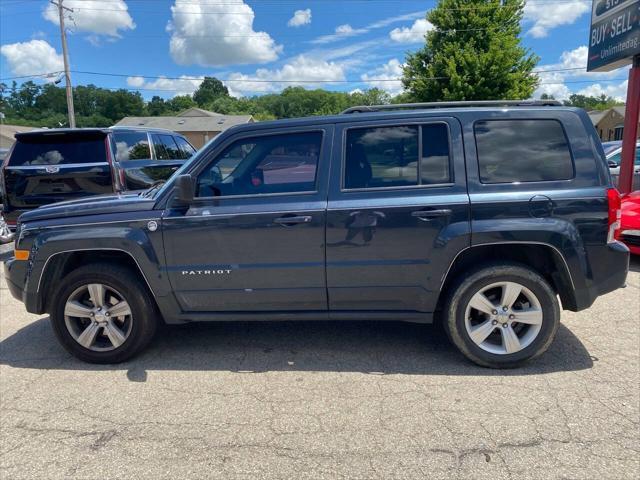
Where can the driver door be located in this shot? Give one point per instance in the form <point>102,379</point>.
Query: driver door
<point>253,240</point>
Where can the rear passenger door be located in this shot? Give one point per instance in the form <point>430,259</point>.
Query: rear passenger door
<point>398,213</point>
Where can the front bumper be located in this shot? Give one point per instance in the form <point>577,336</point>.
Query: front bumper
<point>10,274</point>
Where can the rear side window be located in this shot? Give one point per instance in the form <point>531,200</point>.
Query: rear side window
<point>58,150</point>
<point>166,148</point>
<point>522,151</point>
<point>185,147</point>
<point>399,156</point>
<point>132,146</point>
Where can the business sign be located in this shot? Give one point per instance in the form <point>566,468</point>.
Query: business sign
<point>614,37</point>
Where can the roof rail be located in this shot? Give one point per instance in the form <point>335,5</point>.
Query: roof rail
<point>472,103</point>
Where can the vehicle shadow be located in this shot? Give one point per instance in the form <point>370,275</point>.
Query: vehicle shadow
<point>248,347</point>
<point>634,263</point>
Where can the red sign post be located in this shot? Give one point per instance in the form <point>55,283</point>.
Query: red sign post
<point>614,41</point>
<point>630,132</point>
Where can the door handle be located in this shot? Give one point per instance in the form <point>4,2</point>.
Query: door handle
<point>286,221</point>
<point>426,215</point>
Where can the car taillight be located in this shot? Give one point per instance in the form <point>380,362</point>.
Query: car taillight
<point>615,213</point>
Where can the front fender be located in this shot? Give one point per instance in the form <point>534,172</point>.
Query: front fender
<point>131,237</point>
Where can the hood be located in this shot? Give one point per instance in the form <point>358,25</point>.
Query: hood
<point>101,204</point>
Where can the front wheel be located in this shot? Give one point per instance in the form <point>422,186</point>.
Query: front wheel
<point>502,315</point>
<point>103,314</point>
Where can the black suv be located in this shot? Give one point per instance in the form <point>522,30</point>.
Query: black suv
<point>488,218</point>
<point>47,166</point>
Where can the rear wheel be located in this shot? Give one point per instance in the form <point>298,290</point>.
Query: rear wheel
<point>502,315</point>
<point>103,314</point>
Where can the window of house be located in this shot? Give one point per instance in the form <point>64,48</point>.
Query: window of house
<point>617,132</point>
<point>522,151</point>
<point>261,165</point>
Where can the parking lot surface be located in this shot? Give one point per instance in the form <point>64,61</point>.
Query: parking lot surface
<point>323,400</point>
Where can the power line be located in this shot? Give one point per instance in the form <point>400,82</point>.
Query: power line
<point>199,78</point>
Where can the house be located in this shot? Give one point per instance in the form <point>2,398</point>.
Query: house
<point>197,125</point>
<point>7,133</point>
<point>609,123</point>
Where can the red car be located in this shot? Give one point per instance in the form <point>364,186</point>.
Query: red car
<point>629,232</point>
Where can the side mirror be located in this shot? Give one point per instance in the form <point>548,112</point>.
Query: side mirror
<point>185,185</point>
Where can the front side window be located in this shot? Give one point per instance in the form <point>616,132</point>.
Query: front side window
<point>399,156</point>
<point>262,165</point>
<point>132,146</point>
<point>522,151</point>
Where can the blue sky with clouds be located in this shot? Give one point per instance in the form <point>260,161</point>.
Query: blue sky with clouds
<point>258,46</point>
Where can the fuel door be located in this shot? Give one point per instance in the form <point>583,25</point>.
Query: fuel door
<point>540,206</point>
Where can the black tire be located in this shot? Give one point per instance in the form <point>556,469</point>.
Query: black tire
<point>122,279</point>
<point>472,282</point>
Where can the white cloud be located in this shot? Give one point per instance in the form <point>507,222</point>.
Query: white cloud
<point>135,81</point>
<point>617,91</point>
<point>300,17</point>
<point>183,86</point>
<point>547,16</point>
<point>557,78</point>
<point>413,34</point>
<point>32,58</point>
<point>222,34</point>
<point>384,77</point>
<point>99,17</point>
<point>305,69</point>
<point>346,30</point>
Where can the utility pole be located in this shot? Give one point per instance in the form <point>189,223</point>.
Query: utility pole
<point>65,56</point>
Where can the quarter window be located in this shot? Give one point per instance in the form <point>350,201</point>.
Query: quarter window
<point>185,147</point>
<point>132,146</point>
<point>399,156</point>
<point>166,148</point>
<point>262,165</point>
<point>522,151</point>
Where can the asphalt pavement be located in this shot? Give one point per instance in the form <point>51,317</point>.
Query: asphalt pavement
<point>323,400</point>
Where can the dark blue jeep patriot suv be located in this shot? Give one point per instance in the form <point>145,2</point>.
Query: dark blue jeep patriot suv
<point>486,217</point>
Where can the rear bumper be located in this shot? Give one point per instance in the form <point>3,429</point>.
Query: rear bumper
<point>609,267</point>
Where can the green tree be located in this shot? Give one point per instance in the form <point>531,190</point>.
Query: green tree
<point>472,53</point>
<point>156,106</point>
<point>180,103</point>
<point>208,91</point>
<point>592,103</point>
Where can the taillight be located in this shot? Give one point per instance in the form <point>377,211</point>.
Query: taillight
<point>615,213</point>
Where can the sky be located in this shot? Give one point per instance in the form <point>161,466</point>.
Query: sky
<point>260,46</point>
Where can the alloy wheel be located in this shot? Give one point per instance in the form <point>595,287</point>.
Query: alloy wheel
<point>503,318</point>
<point>98,317</point>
